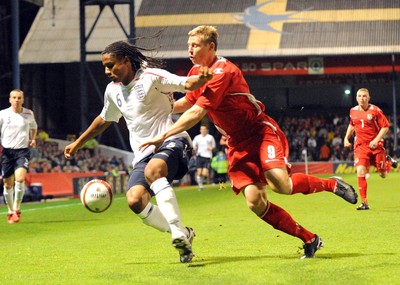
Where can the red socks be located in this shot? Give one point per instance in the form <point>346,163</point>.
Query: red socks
<point>362,188</point>
<point>388,165</point>
<point>307,184</point>
<point>281,220</point>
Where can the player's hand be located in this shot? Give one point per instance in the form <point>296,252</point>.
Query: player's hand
<point>157,142</point>
<point>346,143</point>
<point>70,150</point>
<point>205,73</point>
<point>32,143</point>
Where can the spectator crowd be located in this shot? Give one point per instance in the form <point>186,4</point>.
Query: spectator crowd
<point>47,157</point>
<point>322,137</point>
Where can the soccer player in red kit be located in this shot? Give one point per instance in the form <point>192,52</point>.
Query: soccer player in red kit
<point>257,148</point>
<point>370,125</point>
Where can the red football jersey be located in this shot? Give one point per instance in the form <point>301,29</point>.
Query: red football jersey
<point>228,101</point>
<point>255,141</point>
<point>367,123</point>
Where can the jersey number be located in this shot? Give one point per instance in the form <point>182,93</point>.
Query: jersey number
<point>119,101</point>
<point>271,151</point>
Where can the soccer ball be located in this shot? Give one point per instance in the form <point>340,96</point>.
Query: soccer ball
<point>96,195</point>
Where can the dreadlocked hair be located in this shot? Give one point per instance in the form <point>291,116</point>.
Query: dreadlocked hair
<point>121,49</point>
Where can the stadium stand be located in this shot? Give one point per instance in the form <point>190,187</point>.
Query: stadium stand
<point>303,56</point>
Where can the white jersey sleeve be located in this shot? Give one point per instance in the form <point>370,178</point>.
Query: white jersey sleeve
<point>110,111</point>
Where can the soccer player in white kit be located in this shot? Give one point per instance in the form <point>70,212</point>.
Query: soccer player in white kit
<point>18,129</point>
<point>142,94</point>
<point>203,144</point>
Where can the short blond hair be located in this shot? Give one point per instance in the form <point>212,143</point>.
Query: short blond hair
<point>363,89</point>
<point>208,33</point>
<point>17,91</point>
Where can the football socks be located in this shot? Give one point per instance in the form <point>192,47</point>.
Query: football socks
<point>168,205</point>
<point>152,216</point>
<point>19,194</point>
<point>9,198</point>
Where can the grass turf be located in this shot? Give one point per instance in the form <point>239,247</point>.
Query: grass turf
<point>63,243</point>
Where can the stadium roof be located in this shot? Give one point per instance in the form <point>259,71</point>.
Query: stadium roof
<point>255,28</point>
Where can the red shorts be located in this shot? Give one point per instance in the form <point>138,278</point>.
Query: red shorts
<point>365,156</point>
<point>249,159</point>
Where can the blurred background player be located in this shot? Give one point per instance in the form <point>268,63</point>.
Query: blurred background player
<point>257,147</point>
<point>370,125</point>
<point>142,94</point>
<point>219,163</point>
<point>18,129</point>
<point>203,145</point>
<point>43,135</point>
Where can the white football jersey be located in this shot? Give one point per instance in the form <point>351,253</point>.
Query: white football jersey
<point>146,105</point>
<point>15,128</point>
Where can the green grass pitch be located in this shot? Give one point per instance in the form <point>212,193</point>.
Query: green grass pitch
<point>63,243</point>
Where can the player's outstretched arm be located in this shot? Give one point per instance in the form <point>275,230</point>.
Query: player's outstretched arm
<point>181,106</point>
<point>96,127</point>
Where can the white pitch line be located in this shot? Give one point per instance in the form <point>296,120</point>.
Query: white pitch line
<point>78,203</point>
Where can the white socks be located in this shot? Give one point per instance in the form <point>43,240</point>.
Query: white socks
<point>9,197</point>
<point>19,194</point>
<point>168,205</point>
<point>199,181</point>
<point>152,216</point>
<point>14,203</point>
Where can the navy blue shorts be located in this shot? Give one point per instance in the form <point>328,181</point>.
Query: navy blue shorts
<point>176,153</point>
<point>12,159</point>
<point>203,162</point>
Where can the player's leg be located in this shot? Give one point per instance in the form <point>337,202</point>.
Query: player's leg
<point>308,184</point>
<point>382,164</point>
<point>362,162</point>
<point>205,174</point>
<point>19,190</point>
<point>8,161</point>
<point>278,218</point>
<point>362,185</point>
<point>139,202</point>
<point>169,163</point>
<point>248,177</point>
<point>156,173</point>
<point>272,154</point>
<point>199,177</point>
<point>8,194</point>
<point>21,169</point>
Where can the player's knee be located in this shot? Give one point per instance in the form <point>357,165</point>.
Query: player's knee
<point>281,186</point>
<point>279,181</point>
<point>282,189</point>
<point>255,198</point>
<point>8,183</point>
<point>19,180</point>
<point>154,171</point>
<point>258,208</point>
<point>136,201</point>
